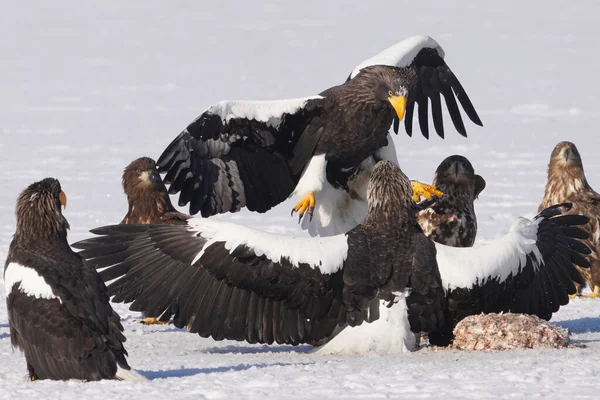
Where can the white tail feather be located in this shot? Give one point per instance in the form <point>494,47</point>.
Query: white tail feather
<point>130,375</point>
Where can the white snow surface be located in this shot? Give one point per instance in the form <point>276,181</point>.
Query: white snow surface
<point>86,87</point>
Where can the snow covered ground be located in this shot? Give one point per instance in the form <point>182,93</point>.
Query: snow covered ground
<point>86,88</point>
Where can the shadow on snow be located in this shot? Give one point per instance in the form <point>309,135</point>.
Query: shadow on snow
<point>580,325</point>
<point>185,372</point>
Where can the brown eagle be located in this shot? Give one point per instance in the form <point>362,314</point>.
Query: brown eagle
<point>147,196</point>
<point>567,183</point>
<point>451,220</point>
<point>383,281</point>
<point>58,306</point>
<point>149,203</point>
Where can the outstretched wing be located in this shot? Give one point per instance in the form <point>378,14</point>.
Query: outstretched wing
<point>530,270</point>
<point>426,56</point>
<point>223,280</point>
<point>241,154</point>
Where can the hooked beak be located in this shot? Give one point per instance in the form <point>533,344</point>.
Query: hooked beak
<point>568,154</point>
<point>399,104</point>
<point>154,177</point>
<point>63,199</point>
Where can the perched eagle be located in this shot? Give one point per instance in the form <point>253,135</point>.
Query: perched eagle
<point>147,196</point>
<point>58,307</point>
<point>256,154</point>
<point>384,279</point>
<point>567,183</point>
<point>149,203</point>
<point>451,219</point>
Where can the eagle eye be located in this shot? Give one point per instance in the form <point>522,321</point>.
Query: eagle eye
<point>390,93</point>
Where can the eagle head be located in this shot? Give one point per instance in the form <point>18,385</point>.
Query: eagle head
<point>389,86</point>
<point>39,212</point>
<point>140,175</point>
<point>565,154</point>
<point>456,174</point>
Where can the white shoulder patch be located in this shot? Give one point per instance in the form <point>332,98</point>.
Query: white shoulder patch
<point>401,54</point>
<point>30,282</point>
<point>327,254</point>
<point>269,111</point>
<point>463,267</point>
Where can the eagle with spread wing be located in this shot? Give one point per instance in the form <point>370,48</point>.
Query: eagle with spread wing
<point>567,183</point>
<point>256,154</point>
<point>384,280</point>
<point>59,312</point>
<point>451,220</point>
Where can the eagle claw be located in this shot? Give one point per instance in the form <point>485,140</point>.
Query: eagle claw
<point>425,190</point>
<point>305,205</point>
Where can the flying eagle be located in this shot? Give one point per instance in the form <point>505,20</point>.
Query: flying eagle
<point>149,203</point>
<point>451,220</point>
<point>567,183</point>
<point>384,278</point>
<point>256,154</point>
<point>58,307</point>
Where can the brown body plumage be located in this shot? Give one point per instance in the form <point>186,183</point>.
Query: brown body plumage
<point>452,220</point>
<point>567,183</point>
<point>147,196</point>
<point>58,307</point>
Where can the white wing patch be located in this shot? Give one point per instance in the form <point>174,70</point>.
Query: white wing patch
<point>325,254</point>
<point>30,282</point>
<point>269,111</point>
<point>401,54</point>
<point>463,267</point>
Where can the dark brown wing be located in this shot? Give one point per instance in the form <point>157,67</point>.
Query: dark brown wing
<point>215,292</point>
<point>79,337</point>
<point>223,161</point>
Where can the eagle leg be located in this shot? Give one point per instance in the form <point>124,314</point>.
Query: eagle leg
<point>152,321</point>
<point>595,294</point>
<point>306,204</point>
<point>425,190</point>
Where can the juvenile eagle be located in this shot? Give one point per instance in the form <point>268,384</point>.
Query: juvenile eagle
<point>149,203</point>
<point>384,279</point>
<point>451,220</point>
<point>255,154</point>
<point>58,307</point>
<point>567,183</point>
<point>147,196</point>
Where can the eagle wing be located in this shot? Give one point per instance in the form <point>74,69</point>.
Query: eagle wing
<point>426,57</point>
<point>530,270</point>
<point>76,332</point>
<point>242,154</point>
<point>223,280</point>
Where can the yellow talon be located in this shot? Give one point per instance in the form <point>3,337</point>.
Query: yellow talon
<point>425,190</point>
<point>572,296</point>
<point>151,321</point>
<point>306,204</point>
<point>595,294</point>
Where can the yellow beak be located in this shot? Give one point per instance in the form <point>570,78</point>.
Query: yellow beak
<point>63,199</point>
<point>399,104</point>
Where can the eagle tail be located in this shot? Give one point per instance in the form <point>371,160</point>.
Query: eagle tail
<point>130,375</point>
